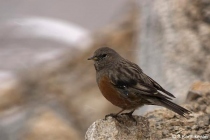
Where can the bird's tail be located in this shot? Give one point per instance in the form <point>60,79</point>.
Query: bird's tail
<point>175,108</point>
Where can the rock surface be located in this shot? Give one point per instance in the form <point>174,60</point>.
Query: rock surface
<point>126,129</point>
<point>174,43</point>
<point>160,124</point>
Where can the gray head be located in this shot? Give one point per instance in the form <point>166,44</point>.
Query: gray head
<point>104,57</point>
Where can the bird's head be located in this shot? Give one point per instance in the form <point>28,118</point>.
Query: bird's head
<point>104,57</point>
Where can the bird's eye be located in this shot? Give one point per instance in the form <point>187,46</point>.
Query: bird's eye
<point>103,55</point>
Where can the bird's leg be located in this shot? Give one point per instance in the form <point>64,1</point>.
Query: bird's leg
<point>129,114</point>
<point>114,115</point>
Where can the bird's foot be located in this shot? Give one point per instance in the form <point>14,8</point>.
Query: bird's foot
<point>113,116</point>
<point>129,114</point>
<point>110,115</point>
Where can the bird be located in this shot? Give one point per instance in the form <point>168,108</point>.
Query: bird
<point>125,85</point>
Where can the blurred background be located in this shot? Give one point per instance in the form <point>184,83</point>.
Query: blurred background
<point>47,86</point>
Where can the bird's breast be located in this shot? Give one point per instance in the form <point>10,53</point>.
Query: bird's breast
<point>111,93</point>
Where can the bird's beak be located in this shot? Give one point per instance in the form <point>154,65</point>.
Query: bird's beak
<point>93,58</point>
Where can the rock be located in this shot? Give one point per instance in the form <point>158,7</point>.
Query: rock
<point>200,87</point>
<point>188,127</point>
<point>164,125</point>
<point>182,34</point>
<point>176,128</point>
<point>195,106</point>
<point>191,96</point>
<point>176,123</point>
<point>158,126</point>
<point>195,127</point>
<point>186,132</point>
<point>200,101</point>
<point>206,120</point>
<point>203,120</point>
<point>165,132</point>
<point>208,131</point>
<point>208,110</point>
<point>200,124</point>
<point>200,132</point>
<point>193,132</point>
<point>111,129</point>
<point>158,134</point>
<point>202,107</point>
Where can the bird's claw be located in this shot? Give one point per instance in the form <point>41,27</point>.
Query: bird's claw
<point>113,116</point>
<point>130,116</point>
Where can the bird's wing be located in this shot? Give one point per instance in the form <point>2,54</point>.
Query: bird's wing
<point>130,86</point>
<point>149,81</point>
<point>137,90</point>
<point>146,80</point>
